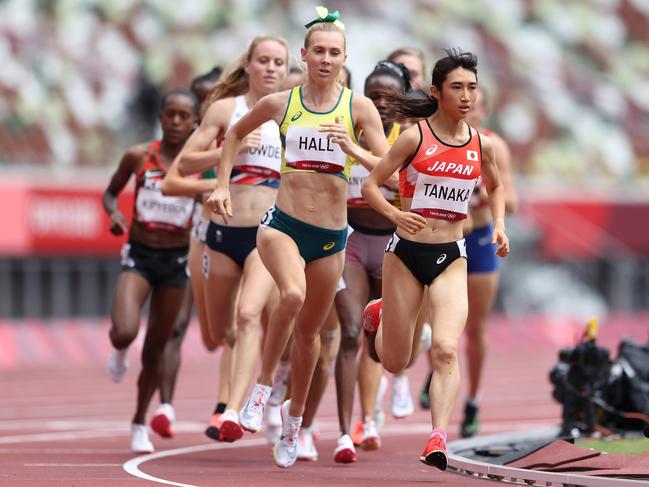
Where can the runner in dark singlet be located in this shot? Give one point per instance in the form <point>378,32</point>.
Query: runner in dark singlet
<point>155,257</point>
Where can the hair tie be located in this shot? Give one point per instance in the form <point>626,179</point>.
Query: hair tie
<point>392,67</point>
<point>325,16</point>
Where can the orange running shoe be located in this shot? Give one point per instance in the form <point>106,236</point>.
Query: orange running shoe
<point>357,434</point>
<point>434,453</point>
<point>371,439</point>
<point>213,427</point>
<point>372,315</point>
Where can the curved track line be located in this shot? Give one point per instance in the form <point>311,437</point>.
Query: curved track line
<point>132,465</point>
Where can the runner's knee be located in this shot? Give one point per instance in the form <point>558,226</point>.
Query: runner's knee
<point>394,364</point>
<point>292,299</point>
<point>122,336</point>
<point>350,338</point>
<point>444,353</point>
<point>247,319</point>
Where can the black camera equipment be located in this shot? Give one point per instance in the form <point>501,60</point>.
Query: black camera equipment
<point>579,381</point>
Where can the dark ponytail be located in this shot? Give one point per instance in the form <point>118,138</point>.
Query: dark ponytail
<point>420,104</point>
<point>416,104</point>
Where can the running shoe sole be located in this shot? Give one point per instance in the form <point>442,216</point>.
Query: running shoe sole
<point>435,459</point>
<point>144,450</point>
<point>345,456</point>
<point>307,459</point>
<point>230,431</point>
<point>212,432</point>
<point>371,444</point>
<point>162,426</point>
<point>402,416</point>
<point>249,430</point>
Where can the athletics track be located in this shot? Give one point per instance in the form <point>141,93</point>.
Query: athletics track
<point>63,422</point>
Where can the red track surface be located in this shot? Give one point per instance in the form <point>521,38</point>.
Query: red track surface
<point>63,422</point>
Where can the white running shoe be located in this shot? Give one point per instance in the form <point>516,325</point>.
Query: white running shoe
<point>370,439</point>
<point>345,451</point>
<point>163,420</point>
<point>251,415</point>
<point>379,415</point>
<point>140,442</point>
<point>280,384</point>
<point>306,449</point>
<point>118,364</point>
<point>402,404</point>
<point>285,451</point>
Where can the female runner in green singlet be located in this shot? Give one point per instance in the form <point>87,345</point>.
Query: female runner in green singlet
<point>303,235</point>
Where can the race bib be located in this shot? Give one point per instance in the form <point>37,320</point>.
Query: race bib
<point>442,198</point>
<point>153,207</point>
<point>357,177</point>
<point>265,160</point>
<point>309,149</point>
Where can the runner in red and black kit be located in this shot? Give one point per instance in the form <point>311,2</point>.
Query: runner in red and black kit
<point>155,256</point>
<point>440,160</point>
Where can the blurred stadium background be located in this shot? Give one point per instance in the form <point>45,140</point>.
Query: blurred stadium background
<point>80,81</point>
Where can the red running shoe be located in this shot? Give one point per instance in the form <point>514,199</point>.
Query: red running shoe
<point>230,429</point>
<point>163,419</point>
<point>372,315</point>
<point>434,453</point>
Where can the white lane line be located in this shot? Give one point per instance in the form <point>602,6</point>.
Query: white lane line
<point>61,451</point>
<point>72,464</point>
<point>68,435</point>
<point>132,466</point>
<point>76,424</point>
